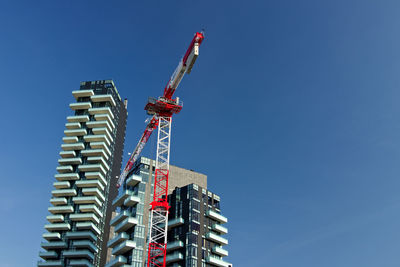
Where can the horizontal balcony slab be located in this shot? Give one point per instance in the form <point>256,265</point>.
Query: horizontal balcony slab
<point>88,226</point>
<point>176,256</point>
<point>61,209</point>
<point>65,169</point>
<point>92,168</point>
<point>117,240</point>
<point>99,124</point>
<point>87,200</point>
<point>216,238</point>
<point>174,245</point>
<point>97,138</point>
<point>80,118</point>
<point>52,236</point>
<point>75,146</point>
<point>105,110</point>
<point>131,201</point>
<point>90,183</point>
<point>220,251</point>
<point>57,227</point>
<point>53,245</point>
<point>133,180</point>
<point>219,228</point>
<point>103,98</point>
<point>70,139</point>
<point>217,262</point>
<point>67,154</point>
<point>70,161</point>
<point>124,247</point>
<point>126,224</point>
<point>56,201</point>
<point>175,222</point>
<point>67,176</point>
<point>81,235</point>
<point>85,244</point>
<point>48,255</point>
<point>78,253</point>
<point>104,130</point>
<point>82,93</point>
<point>216,216</point>
<point>84,217</point>
<point>95,153</point>
<point>100,145</point>
<point>119,218</point>
<point>99,160</point>
<point>104,117</point>
<point>85,263</point>
<point>96,175</point>
<point>121,198</point>
<point>72,125</point>
<point>117,261</point>
<point>93,192</point>
<point>62,185</point>
<point>55,218</point>
<point>58,263</point>
<point>80,105</point>
<point>64,192</point>
<point>75,132</point>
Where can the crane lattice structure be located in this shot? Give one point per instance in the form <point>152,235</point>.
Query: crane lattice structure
<point>162,110</point>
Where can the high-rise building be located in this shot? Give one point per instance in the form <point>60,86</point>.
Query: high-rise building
<point>195,228</point>
<point>85,185</point>
<point>130,225</point>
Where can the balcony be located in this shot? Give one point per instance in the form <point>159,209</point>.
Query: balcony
<point>50,264</point>
<point>87,200</point>
<point>133,180</point>
<point>220,251</point>
<point>70,139</point>
<point>95,152</point>
<point>75,146</point>
<point>117,239</point>
<point>219,228</point>
<point>67,176</point>
<point>61,209</point>
<point>58,201</point>
<point>53,245</point>
<point>117,261</point>
<point>174,245</point>
<point>87,226</point>
<point>64,192</point>
<point>126,224</point>
<point>121,198</point>
<point>67,154</point>
<point>96,175</point>
<point>103,98</point>
<point>75,132</point>
<point>81,235</point>
<point>80,263</point>
<point>70,161</point>
<point>100,145</point>
<point>176,256</point>
<point>131,201</point>
<point>48,255</point>
<point>105,110</point>
<point>80,105</point>
<point>216,238</point>
<point>93,192</point>
<point>104,131</point>
<point>52,236</point>
<point>90,183</point>
<point>85,244</point>
<point>217,261</point>
<point>64,169</point>
<point>104,117</point>
<point>55,218</point>
<point>84,217</point>
<point>79,253</point>
<point>57,227</point>
<point>175,222</point>
<point>81,118</point>
<point>99,160</point>
<point>97,138</point>
<point>216,216</point>
<point>72,125</point>
<point>61,185</point>
<point>92,168</point>
<point>99,124</point>
<point>82,93</point>
<point>91,208</point>
<point>123,247</point>
<point>119,218</point>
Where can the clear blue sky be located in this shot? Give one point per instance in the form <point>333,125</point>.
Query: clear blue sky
<point>292,110</point>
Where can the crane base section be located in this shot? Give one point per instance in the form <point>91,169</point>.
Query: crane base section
<point>157,252</point>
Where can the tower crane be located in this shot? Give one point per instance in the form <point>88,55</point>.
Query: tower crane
<point>161,110</point>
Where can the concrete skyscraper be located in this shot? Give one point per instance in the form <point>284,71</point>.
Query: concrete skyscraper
<point>85,185</point>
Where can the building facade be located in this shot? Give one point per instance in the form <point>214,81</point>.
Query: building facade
<point>85,186</point>
<point>128,244</point>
